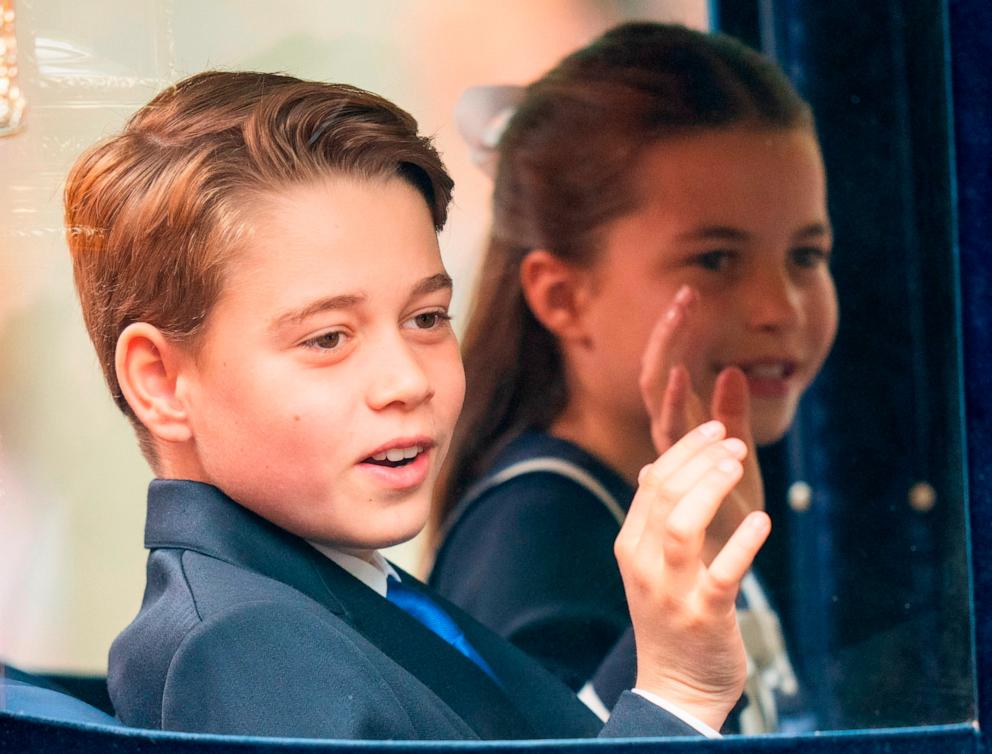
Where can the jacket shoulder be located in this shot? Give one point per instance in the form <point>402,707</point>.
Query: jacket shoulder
<point>219,648</point>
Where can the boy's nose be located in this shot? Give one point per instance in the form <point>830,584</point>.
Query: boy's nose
<point>398,377</point>
<point>774,302</point>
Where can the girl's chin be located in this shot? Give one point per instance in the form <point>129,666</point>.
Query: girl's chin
<point>770,432</point>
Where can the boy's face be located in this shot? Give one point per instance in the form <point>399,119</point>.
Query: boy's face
<point>740,215</point>
<point>328,381</point>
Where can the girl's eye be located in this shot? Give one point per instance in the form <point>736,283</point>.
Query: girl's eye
<point>810,256</point>
<point>715,261</point>
<point>431,320</point>
<point>327,341</point>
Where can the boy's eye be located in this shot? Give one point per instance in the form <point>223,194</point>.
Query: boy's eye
<point>430,320</point>
<point>715,261</point>
<point>810,256</point>
<point>327,341</point>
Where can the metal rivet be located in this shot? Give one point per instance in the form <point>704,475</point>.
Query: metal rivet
<point>800,496</point>
<point>922,497</point>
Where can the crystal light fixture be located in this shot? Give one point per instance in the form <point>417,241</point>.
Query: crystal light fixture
<point>12,102</point>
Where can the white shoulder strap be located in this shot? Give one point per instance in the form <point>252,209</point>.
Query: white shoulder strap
<point>554,466</point>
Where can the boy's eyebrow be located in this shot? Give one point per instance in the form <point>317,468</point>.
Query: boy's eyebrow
<point>296,316</point>
<point>431,284</point>
<point>428,285</point>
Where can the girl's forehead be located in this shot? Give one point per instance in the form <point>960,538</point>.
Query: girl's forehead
<point>738,149</point>
<point>731,168</point>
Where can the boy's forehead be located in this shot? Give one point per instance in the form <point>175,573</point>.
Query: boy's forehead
<point>342,240</point>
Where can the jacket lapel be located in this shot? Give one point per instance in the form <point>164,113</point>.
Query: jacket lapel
<point>459,683</point>
<point>550,707</point>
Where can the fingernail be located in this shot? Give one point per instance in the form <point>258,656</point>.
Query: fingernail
<point>729,465</point>
<point>759,524</point>
<point>643,473</point>
<point>712,430</point>
<point>684,295</point>
<point>735,446</point>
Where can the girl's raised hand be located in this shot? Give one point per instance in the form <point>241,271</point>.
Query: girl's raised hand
<point>674,408</point>
<point>672,404</point>
<point>689,648</point>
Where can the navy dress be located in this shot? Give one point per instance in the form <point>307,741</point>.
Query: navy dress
<point>529,552</point>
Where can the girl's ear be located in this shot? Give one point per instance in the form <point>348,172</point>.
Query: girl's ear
<point>148,369</point>
<point>555,291</point>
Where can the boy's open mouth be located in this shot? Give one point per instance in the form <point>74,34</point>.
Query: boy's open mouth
<point>395,456</point>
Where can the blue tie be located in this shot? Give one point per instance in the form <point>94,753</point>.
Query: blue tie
<point>423,609</point>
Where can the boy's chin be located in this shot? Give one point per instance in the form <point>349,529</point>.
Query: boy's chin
<point>393,532</point>
<point>396,539</point>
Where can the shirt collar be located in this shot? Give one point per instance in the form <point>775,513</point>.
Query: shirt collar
<point>373,574</point>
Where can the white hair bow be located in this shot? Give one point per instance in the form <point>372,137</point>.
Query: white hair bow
<point>482,114</point>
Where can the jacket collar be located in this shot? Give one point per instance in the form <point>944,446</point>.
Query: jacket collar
<point>199,517</point>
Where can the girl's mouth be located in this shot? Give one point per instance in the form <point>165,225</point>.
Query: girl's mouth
<point>769,379</point>
<point>781,370</point>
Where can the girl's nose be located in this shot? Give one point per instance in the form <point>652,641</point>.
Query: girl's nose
<point>397,377</point>
<point>774,302</point>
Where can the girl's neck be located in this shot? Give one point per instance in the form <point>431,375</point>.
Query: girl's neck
<point>625,445</point>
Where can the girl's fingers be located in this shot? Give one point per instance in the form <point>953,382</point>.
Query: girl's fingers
<point>731,403</point>
<point>664,349</point>
<point>672,423</point>
<point>724,575</point>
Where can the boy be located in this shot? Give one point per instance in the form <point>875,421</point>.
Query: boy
<point>257,262</point>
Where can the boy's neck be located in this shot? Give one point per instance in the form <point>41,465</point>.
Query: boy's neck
<point>367,555</point>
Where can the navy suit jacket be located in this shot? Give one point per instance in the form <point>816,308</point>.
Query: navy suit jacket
<point>247,629</point>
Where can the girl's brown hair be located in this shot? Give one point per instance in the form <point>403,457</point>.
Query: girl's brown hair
<point>566,168</point>
<point>154,214</point>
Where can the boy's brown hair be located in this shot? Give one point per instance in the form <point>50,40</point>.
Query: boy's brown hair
<point>154,213</point>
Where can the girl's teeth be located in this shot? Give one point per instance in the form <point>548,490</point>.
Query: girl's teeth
<point>379,457</point>
<point>767,371</point>
<point>411,452</point>
<point>395,454</point>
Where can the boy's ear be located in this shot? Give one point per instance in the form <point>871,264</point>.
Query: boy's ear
<point>148,366</point>
<point>556,292</point>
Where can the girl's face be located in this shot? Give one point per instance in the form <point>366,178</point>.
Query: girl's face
<point>740,215</point>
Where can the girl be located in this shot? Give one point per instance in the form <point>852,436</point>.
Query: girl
<point>659,252</point>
